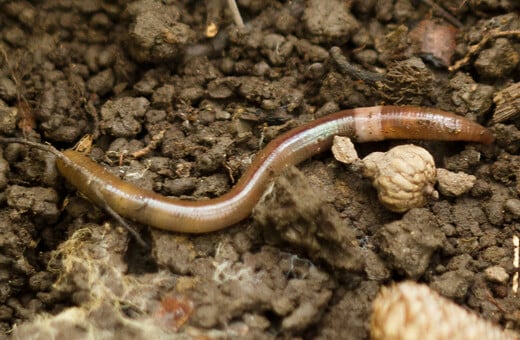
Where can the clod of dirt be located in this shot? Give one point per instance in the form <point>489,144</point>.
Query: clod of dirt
<point>292,212</point>
<point>493,5</point>
<point>470,97</point>
<point>155,32</point>
<point>7,89</point>
<point>497,61</point>
<point>4,169</point>
<point>497,274</point>
<point>102,83</point>
<point>227,289</point>
<point>329,21</point>
<point>16,244</point>
<point>123,117</point>
<point>337,88</point>
<point>309,51</point>
<point>8,118</point>
<point>408,244</point>
<point>277,48</point>
<point>63,119</point>
<point>414,311</point>
<point>454,184</point>
<point>40,202</point>
<point>281,93</point>
<point>163,96</point>
<point>176,253</point>
<point>454,284</point>
<point>349,315</point>
<point>463,161</point>
<point>180,186</point>
<point>512,205</point>
<point>403,177</point>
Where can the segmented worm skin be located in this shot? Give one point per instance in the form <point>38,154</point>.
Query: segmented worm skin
<point>361,124</point>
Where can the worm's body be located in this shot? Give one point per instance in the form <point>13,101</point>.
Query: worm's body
<point>361,124</point>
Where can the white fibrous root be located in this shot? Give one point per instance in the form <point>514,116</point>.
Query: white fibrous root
<point>404,176</point>
<point>454,183</point>
<point>413,311</point>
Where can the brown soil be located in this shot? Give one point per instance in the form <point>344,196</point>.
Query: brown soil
<point>317,249</point>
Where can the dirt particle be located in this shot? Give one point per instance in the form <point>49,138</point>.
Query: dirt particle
<point>454,284</point>
<point>256,321</point>
<point>102,83</point>
<point>8,118</point>
<point>310,51</point>
<point>343,150</point>
<point>470,96</point>
<point>305,314</point>
<point>498,60</point>
<point>497,274</point>
<point>454,184</point>
<point>346,316</point>
<point>174,253</point>
<point>494,255</point>
<point>4,169</point>
<point>222,87</point>
<point>276,48</point>
<point>163,96</point>
<point>180,186</point>
<point>122,117</point>
<point>329,21</point>
<point>293,213</point>
<point>7,89</point>
<point>512,205</point>
<point>408,244</point>
<point>41,281</point>
<point>156,33</point>
<point>463,161</point>
<point>41,202</point>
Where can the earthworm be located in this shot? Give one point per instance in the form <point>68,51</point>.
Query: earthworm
<point>362,124</point>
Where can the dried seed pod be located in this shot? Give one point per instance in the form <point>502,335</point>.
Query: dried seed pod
<point>414,311</point>
<point>403,177</point>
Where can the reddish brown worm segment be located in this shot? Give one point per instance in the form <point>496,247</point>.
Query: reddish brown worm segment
<point>361,124</point>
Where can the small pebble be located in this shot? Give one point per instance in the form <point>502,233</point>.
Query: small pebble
<point>512,205</point>
<point>454,184</point>
<point>496,274</point>
<point>343,150</point>
<point>222,115</point>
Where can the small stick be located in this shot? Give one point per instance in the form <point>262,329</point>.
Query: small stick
<point>516,256</point>
<point>474,49</point>
<point>235,13</point>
